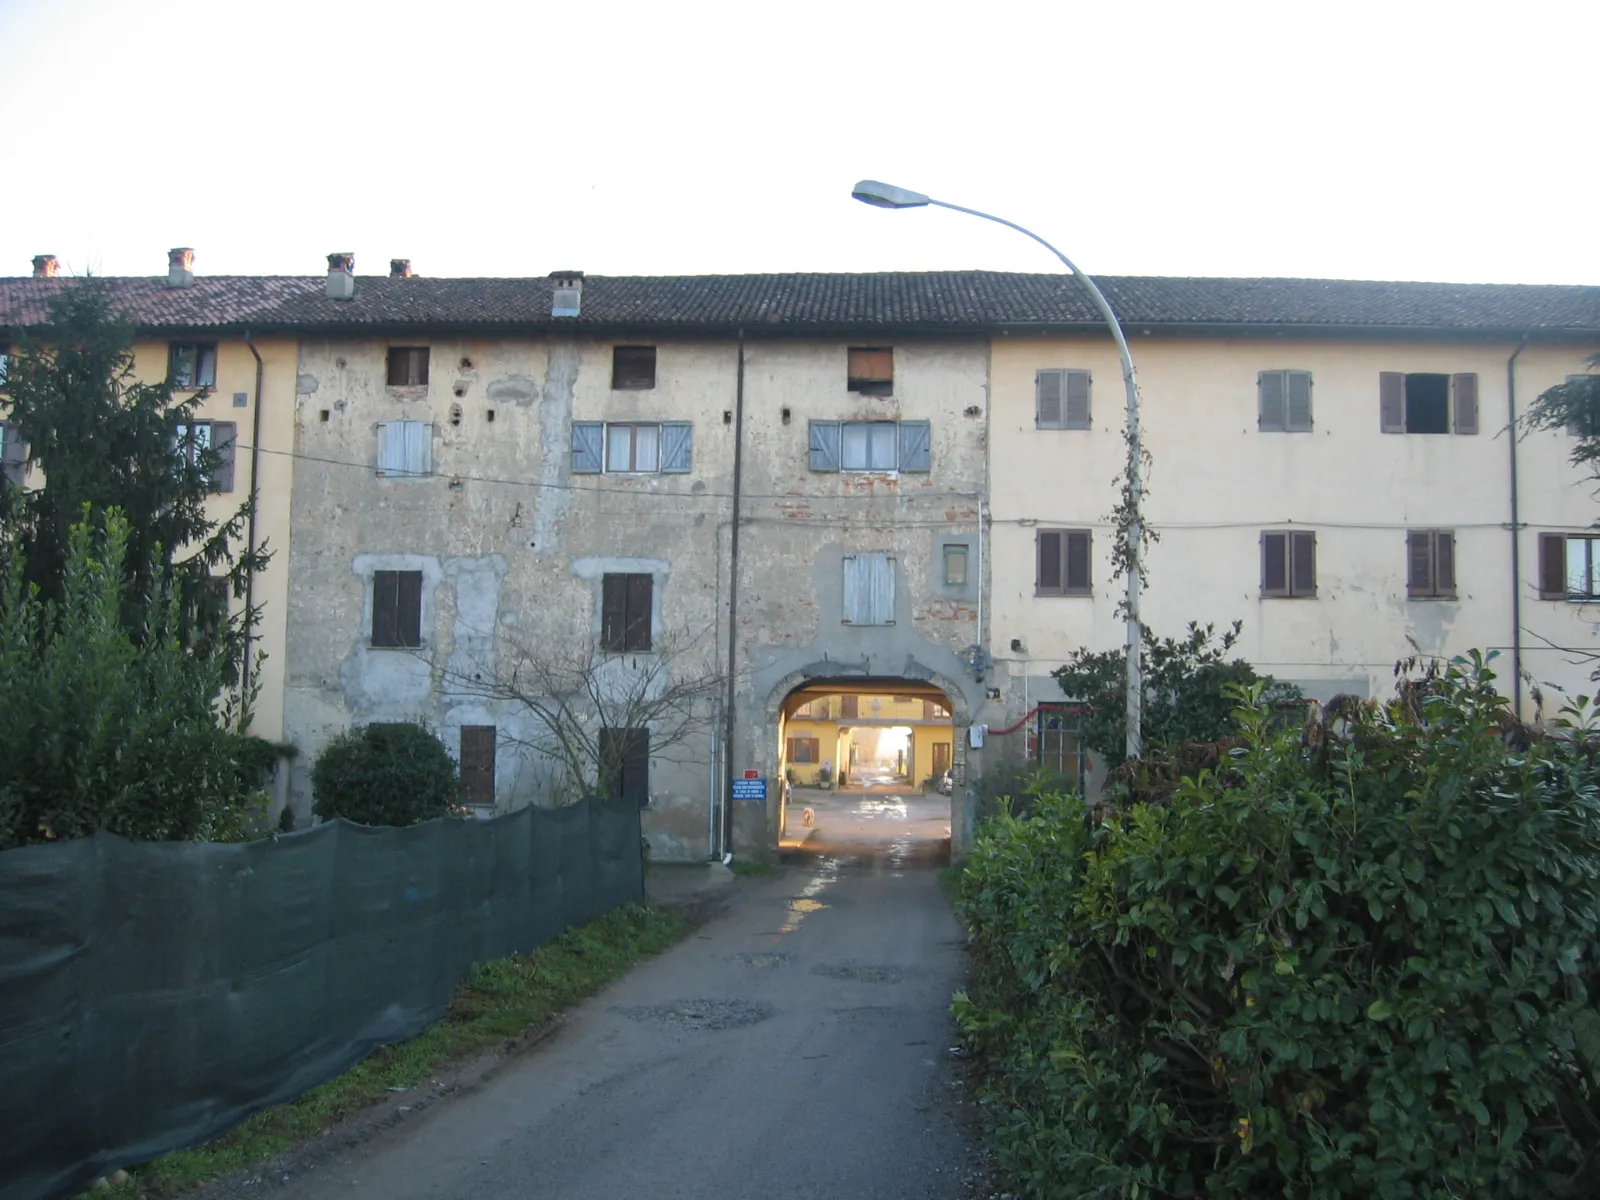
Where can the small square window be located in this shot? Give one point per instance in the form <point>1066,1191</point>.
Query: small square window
<point>192,365</point>
<point>633,367</point>
<point>1289,564</point>
<point>1063,557</point>
<point>633,449</point>
<point>1430,563</point>
<point>955,566</point>
<point>408,366</point>
<point>871,370</point>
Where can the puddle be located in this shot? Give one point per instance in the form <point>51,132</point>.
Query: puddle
<point>803,905</point>
<point>701,1014</point>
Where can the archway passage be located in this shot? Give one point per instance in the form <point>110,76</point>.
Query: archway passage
<point>867,766</point>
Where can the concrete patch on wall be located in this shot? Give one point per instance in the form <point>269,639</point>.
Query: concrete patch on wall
<point>305,383</point>
<point>555,448</point>
<point>521,390</point>
<point>1430,623</point>
<point>476,583</point>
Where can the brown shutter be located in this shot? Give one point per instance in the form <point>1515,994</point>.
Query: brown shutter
<point>613,612</point>
<point>385,604</point>
<point>1270,417</point>
<point>1444,562</point>
<point>477,763</point>
<point>1304,580</point>
<point>640,588</point>
<point>850,706</point>
<point>397,367</point>
<point>1049,573</point>
<point>1419,564</point>
<point>223,436</point>
<point>1274,564</point>
<point>408,617</point>
<point>1552,566</point>
<point>1077,575</point>
<point>871,364</point>
<point>1392,401</point>
<point>1464,390</point>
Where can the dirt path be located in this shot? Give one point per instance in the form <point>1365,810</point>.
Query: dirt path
<point>797,1046</point>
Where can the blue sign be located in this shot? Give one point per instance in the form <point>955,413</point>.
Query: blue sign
<point>749,789</point>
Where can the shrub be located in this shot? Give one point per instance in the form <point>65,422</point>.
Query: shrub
<point>1015,787</point>
<point>398,774</point>
<point>1358,962</point>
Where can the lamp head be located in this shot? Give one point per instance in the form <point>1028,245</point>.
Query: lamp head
<point>886,195</point>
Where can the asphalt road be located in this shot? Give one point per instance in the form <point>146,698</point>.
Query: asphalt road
<point>796,1046</point>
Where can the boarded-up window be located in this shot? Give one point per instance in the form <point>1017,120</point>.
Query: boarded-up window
<point>396,608</point>
<point>871,370</point>
<point>477,763</point>
<point>1061,399</point>
<point>868,589</point>
<point>192,365</point>
<point>1284,401</point>
<point>633,367</point>
<point>1289,563</point>
<point>626,602</point>
<point>1063,558</point>
<point>1430,563</point>
<point>624,767</point>
<point>805,750</point>
<point>405,449</point>
<point>13,454</point>
<point>408,366</point>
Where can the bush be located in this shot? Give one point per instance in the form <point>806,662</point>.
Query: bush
<point>397,774</point>
<point>1357,962</point>
<point>1015,787</point>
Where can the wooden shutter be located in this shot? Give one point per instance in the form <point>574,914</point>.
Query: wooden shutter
<point>1464,392</point>
<point>625,764</point>
<point>1419,563</point>
<point>1048,580</point>
<point>1444,562</point>
<point>1303,564</point>
<point>385,608</point>
<point>477,763</point>
<point>871,369</point>
<point>1552,566</point>
<point>1077,568</point>
<point>419,447</point>
<point>614,612</point>
<point>1392,401</point>
<point>223,436</point>
<point>405,448</point>
<point>1274,564</point>
<point>13,454</point>
<point>641,593</point>
<point>677,447</point>
<point>916,446</point>
<point>1271,401</point>
<point>1049,399</point>
<point>408,616</point>
<point>1077,415</point>
<point>868,589</point>
<point>1299,393</point>
<point>588,447</point>
<point>633,367</point>
<point>824,446</point>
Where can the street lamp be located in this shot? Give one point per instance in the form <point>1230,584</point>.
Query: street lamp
<point>885,195</point>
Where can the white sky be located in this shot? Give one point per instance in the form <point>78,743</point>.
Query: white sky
<point>1398,140</point>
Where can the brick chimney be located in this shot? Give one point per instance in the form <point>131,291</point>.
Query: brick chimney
<point>180,267</point>
<point>566,293</point>
<point>44,266</point>
<point>341,276</point>
<point>399,268</point>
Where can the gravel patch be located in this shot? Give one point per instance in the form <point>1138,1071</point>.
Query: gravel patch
<point>701,1014</point>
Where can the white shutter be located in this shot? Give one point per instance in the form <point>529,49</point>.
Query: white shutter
<point>868,589</point>
<point>405,448</point>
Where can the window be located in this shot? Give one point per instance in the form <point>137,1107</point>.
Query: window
<point>1428,403</point>
<point>1430,563</point>
<point>868,589</point>
<point>871,370</point>
<point>1289,563</point>
<point>1585,421</point>
<point>1061,399</point>
<point>813,710</point>
<point>396,609</point>
<point>408,366</point>
<point>626,602</point>
<point>1569,567</point>
<point>625,765</point>
<point>932,710</point>
<point>1063,563</point>
<point>13,455</point>
<point>211,605</point>
<point>632,448</point>
<point>1283,400</point>
<point>805,750</point>
<point>633,367</point>
<point>5,363</point>
<point>219,436</point>
<point>405,448</point>
<point>477,763</point>
<point>871,446</point>
<point>850,706</point>
<point>941,758</point>
<point>1057,746</point>
<point>955,566</point>
<point>192,364</point>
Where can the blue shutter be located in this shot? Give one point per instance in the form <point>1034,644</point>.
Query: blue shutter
<point>391,448</point>
<point>588,447</point>
<point>824,445</point>
<point>677,447</point>
<point>916,439</point>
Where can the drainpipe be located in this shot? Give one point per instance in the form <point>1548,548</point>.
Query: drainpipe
<point>250,533</point>
<point>1516,534</point>
<point>733,604</point>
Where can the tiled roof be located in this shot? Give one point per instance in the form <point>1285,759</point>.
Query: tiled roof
<point>969,302</point>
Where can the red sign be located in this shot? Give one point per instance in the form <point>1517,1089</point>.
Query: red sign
<point>752,774</point>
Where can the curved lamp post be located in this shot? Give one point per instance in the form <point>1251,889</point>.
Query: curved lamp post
<point>885,195</point>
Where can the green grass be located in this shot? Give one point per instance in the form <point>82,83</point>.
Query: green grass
<point>499,999</point>
<point>750,869</point>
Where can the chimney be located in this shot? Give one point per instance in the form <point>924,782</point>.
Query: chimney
<point>341,276</point>
<point>566,293</point>
<point>399,268</point>
<point>44,266</point>
<point>180,267</point>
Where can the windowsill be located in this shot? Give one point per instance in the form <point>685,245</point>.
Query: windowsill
<point>1285,430</point>
<point>1450,596</point>
<point>193,387</point>
<point>1064,428</point>
<point>407,391</point>
<point>1283,596</point>
<point>881,472</point>
<point>406,649</point>
<point>638,474</point>
<point>611,653</point>
<point>633,387</point>
<point>1087,594</point>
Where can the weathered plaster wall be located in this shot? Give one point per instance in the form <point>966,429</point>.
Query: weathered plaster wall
<point>1218,481</point>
